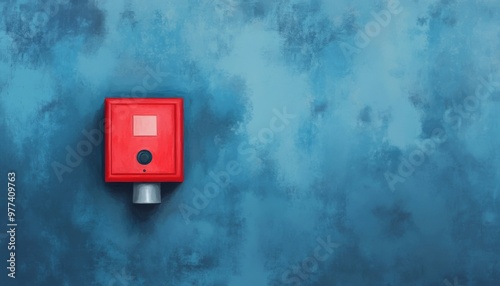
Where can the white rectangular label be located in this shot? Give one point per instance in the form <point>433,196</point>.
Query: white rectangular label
<point>145,125</point>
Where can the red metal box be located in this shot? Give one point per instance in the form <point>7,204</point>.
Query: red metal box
<point>144,140</point>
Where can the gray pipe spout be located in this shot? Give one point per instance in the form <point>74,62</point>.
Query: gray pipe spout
<point>147,193</point>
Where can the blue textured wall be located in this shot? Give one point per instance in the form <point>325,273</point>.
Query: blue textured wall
<point>326,142</point>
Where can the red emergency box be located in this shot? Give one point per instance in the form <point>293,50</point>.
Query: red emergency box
<point>144,140</point>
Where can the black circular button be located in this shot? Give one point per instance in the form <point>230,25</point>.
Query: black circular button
<point>144,157</point>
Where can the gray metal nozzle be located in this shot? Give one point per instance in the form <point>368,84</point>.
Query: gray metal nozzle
<point>147,193</point>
